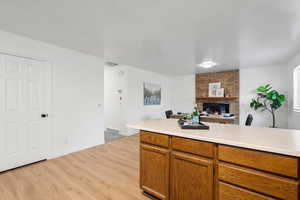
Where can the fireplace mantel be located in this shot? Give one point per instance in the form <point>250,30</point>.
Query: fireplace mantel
<point>216,99</point>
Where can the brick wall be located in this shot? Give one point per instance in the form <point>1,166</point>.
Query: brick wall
<point>230,81</point>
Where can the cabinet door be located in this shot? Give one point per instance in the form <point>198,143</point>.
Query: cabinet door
<point>191,177</point>
<point>154,171</point>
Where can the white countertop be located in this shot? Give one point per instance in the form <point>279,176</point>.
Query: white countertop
<point>282,141</point>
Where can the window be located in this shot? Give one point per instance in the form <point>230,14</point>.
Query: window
<point>297,89</point>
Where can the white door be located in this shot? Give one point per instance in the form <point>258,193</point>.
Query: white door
<point>24,97</point>
<point>113,97</point>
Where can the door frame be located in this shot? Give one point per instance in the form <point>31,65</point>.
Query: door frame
<point>49,84</point>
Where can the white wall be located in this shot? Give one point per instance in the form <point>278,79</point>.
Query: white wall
<point>77,91</point>
<point>183,93</point>
<point>250,79</point>
<point>136,110</point>
<point>131,108</point>
<point>294,117</point>
<point>178,94</point>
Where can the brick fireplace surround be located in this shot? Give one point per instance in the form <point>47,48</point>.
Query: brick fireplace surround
<point>230,80</point>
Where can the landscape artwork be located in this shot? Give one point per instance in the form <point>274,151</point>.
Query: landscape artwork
<point>152,94</point>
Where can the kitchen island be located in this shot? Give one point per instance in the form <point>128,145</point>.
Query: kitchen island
<point>227,162</point>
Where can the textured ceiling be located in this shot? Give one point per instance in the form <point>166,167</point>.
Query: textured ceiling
<point>165,36</point>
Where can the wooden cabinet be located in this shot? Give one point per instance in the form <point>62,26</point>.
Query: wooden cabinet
<point>154,171</point>
<point>205,149</point>
<point>154,139</point>
<point>274,163</point>
<point>191,177</point>
<point>260,182</point>
<point>176,168</point>
<point>230,192</point>
<point>186,174</point>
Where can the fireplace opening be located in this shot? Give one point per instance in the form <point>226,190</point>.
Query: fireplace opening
<point>216,108</point>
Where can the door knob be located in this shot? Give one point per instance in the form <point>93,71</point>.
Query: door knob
<point>44,115</point>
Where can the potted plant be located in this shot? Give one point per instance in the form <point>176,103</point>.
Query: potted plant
<point>268,100</point>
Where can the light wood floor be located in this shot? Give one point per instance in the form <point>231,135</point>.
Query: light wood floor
<point>108,171</point>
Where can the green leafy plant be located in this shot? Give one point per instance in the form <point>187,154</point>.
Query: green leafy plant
<point>268,100</point>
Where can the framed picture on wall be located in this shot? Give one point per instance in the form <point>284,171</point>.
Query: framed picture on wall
<point>212,92</point>
<point>152,94</point>
<point>215,85</point>
<point>220,92</point>
<point>212,89</point>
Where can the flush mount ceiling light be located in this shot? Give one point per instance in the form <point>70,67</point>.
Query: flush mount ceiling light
<point>207,64</point>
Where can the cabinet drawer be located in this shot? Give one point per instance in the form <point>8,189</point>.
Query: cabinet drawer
<point>154,138</point>
<point>264,183</point>
<point>279,164</point>
<point>192,146</point>
<point>229,192</point>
